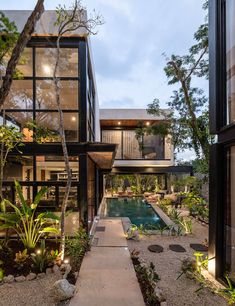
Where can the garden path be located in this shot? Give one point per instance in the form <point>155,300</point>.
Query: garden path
<point>107,276</point>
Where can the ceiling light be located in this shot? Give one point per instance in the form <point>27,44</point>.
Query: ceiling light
<point>73,118</point>
<point>148,123</point>
<point>119,123</point>
<point>46,69</point>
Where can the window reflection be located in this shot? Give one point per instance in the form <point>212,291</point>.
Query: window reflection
<point>46,58</point>
<point>230,58</point>
<point>46,97</point>
<point>20,96</point>
<point>49,122</point>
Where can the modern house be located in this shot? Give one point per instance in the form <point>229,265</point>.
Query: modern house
<point>98,142</point>
<point>222,119</point>
<point>32,98</point>
<point>147,154</point>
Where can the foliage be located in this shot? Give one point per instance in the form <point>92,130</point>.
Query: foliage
<point>42,134</point>
<point>23,220</point>
<point>21,259</point>
<point>1,270</point>
<point>198,207</point>
<point>10,139</point>
<point>40,258</point>
<point>147,278</point>
<point>8,36</point>
<point>54,256</point>
<point>230,291</point>
<point>76,247</point>
<point>188,116</point>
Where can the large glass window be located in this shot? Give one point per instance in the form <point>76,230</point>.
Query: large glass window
<point>153,147</point>
<point>20,95</point>
<point>230,216</point>
<point>25,64</point>
<point>46,97</point>
<point>230,60</point>
<point>49,123</point>
<point>46,58</point>
<point>52,168</point>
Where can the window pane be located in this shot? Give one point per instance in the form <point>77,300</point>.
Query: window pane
<point>131,149</point>
<point>230,57</point>
<point>52,168</point>
<point>20,96</point>
<point>46,97</point>
<point>20,121</point>
<point>25,65</point>
<point>49,122</point>
<point>153,147</point>
<point>115,137</point>
<point>45,62</point>
<point>230,217</point>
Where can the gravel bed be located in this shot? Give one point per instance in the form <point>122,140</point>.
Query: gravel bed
<point>28,293</point>
<point>168,265</point>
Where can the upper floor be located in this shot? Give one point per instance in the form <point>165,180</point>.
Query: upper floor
<point>32,97</point>
<point>121,126</point>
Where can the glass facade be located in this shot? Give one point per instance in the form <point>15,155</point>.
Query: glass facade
<point>230,216</point>
<point>230,60</point>
<point>32,100</point>
<point>32,97</point>
<point>149,147</point>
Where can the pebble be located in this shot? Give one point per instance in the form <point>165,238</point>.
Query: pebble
<point>31,276</point>
<point>20,279</point>
<point>8,279</point>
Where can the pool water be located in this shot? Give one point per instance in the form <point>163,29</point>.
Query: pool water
<point>136,209</point>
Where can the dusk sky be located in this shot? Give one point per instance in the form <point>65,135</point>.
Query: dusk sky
<point>128,49</point>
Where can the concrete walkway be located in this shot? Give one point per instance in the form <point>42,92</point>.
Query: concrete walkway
<point>107,276</point>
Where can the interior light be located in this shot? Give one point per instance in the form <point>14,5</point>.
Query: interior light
<point>73,118</point>
<point>148,123</point>
<point>46,69</point>
<point>119,123</point>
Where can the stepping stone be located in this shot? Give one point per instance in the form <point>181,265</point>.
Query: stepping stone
<point>177,248</point>
<point>155,248</point>
<point>198,247</point>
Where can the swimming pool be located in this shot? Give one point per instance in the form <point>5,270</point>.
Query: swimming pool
<point>136,209</point>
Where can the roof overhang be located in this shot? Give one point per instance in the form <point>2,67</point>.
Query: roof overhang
<point>103,154</point>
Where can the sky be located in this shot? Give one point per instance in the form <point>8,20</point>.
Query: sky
<point>128,49</point>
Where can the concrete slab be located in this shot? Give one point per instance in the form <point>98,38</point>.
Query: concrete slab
<point>113,234</point>
<point>107,276</point>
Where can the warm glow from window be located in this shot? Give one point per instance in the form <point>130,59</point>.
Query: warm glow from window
<point>46,69</point>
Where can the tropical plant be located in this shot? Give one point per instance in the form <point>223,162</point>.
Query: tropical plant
<point>10,139</point>
<point>76,247</point>
<point>54,257</point>
<point>1,270</point>
<point>40,258</point>
<point>29,226</point>
<point>186,225</point>
<point>21,259</point>
<point>188,121</point>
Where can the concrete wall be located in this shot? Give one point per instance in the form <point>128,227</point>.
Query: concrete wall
<point>45,26</point>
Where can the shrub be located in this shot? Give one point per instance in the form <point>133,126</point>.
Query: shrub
<point>29,227</point>
<point>76,247</point>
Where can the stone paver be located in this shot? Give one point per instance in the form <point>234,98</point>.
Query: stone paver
<point>107,276</point>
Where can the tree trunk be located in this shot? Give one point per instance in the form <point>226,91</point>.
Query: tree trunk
<point>65,151</point>
<point>18,49</point>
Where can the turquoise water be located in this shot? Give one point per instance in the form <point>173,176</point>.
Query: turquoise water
<point>138,211</point>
